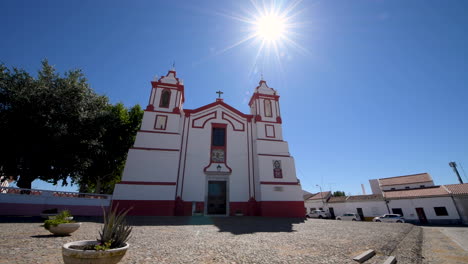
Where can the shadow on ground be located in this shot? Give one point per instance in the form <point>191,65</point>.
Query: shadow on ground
<point>234,225</point>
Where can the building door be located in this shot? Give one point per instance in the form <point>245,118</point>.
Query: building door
<point>360,213</point>
<point>421,215</point>
<point>332,212</point>
<point>216,204</point>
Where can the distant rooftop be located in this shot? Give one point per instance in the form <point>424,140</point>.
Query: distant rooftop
<point>319,196</point>
<point>413,193</point>
<point>405,179</point>
<point>457,188</point>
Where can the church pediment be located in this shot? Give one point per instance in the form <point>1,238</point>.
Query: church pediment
<point>218,113</point>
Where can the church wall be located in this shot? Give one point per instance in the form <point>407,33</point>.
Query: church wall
<point>151,166</point>
<point>157,141</point>
<point>144,192</point>
<point>269,131</point>
<point>198,157</point>
<point>149,120</point>
<point>273,147</point>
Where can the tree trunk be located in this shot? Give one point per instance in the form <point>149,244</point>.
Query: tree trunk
<point>98,186</point>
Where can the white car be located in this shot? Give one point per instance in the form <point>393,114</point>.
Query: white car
<point>389,218</point>
<point>318,214</point>
<point>349,217</point>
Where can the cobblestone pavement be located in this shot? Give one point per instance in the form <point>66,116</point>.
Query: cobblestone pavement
<point>439,247</point>
<point>222,240</point>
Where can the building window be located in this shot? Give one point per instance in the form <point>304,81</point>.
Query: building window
<point>392,189</point>
<point>397,211</point>
<point>165,98</point>
<point>440,211</point>
<point>160,123</point>
<point>267,104</point>
<point>277,170</point>
<point>422,186</point>
<point>218,143</point>
<point>407,187</point>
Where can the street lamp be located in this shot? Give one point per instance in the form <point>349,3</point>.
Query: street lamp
<point>321,195</point>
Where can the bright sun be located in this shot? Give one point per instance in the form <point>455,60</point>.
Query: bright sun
<point>270,27</point>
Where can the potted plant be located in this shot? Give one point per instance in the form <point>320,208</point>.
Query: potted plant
<point>61,224</point>
<point>109,248</point>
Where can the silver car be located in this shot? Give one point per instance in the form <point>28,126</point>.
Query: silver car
<point>389,218</point>
<point>349,217</point>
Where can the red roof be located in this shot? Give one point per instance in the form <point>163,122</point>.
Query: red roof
<point>319,196</point>
<point>457,188</point>
<point>406,179</point>
<point>423,192</point>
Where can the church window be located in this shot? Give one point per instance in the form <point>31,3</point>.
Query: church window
<point>267,104</point>
<point>218,143</point>
<point>165,98</point>
<point>161,122</point>
<point>219,136</point>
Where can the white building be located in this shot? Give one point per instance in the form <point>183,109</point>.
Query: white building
<point>420,180</point>
<point>316,201</point>
<point>213,159</point>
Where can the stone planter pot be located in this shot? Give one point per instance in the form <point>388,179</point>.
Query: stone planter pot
<point>64,229</point>
<point>79,256</point>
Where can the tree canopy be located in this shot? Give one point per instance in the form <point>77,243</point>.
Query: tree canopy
<point>56,127</point>
<point>339,193</point>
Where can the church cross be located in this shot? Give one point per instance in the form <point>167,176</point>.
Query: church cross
<point>219,94</point>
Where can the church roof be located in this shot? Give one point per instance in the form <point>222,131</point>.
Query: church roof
<point>406,179</point>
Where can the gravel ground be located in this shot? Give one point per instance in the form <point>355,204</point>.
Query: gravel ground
<point>439,248</point>
<point>222,240</point>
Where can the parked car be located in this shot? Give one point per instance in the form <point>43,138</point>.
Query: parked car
<point>318,214</point>
<point>349,217</point>
<point>390,218</point>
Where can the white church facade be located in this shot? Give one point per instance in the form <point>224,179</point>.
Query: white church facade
<point>213,160</point>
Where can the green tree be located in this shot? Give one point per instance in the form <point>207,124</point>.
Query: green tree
<point>54,128</point>
<point>339,193</point>
<point>117,129</point>
<point>45,123</point>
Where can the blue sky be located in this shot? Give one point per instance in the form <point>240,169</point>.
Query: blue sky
<point>371,89</point>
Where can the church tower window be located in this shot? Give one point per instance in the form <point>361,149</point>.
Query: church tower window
<point>165,98</point>
<point>267,104</point>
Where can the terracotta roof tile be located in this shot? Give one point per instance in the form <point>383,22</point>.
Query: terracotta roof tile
<point>337,199</point>
<point>319,196</point>
<point>365,197</point>
<point>457,188</point>
<point>406,179</point>
<point>422,192</point>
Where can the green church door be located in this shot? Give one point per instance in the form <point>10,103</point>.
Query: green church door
<point>216,198</point>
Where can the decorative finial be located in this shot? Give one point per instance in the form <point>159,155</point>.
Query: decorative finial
<point>173,66</point>
<point>219,94</point>
<point>261,76</point>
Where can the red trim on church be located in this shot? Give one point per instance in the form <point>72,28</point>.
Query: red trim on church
<point>158,132</point>
<point>274,155</point>
<point>160,149</point>
<point>266,131</point>
<point>146,183</point>
<point>218,102</point>
<point>279,183</point>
